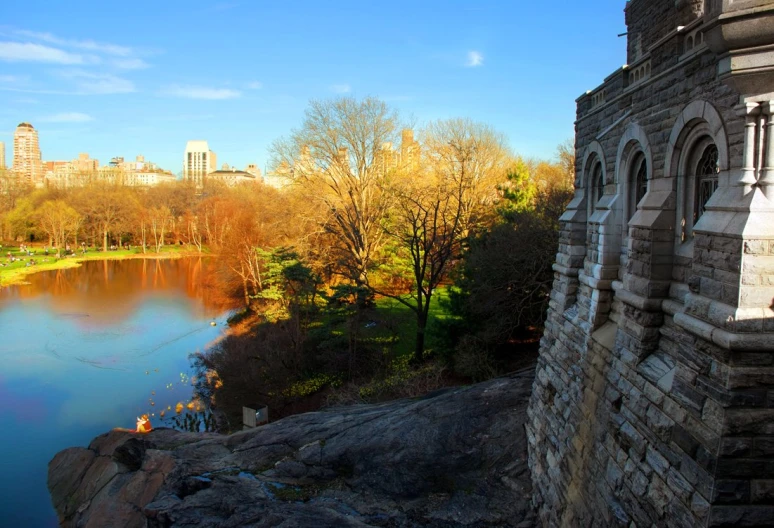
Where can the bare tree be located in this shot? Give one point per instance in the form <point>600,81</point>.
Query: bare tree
<point>59,221</point>
<point>438,202</point>
<point>107,207</point>
<point>427,224</point>
<point>332,157</point>
<point>159,219</point>
<point>475,157</point>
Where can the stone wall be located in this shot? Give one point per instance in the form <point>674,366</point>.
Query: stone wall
<point>649,21</point>
<point>654,397</point>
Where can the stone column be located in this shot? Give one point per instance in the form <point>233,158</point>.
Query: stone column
<point>750,112</point>
<point>766,180</point>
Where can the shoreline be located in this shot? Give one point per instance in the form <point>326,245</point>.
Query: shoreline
<point>17,276</point>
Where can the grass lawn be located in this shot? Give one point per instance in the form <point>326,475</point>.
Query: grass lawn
<point>14,272</point>
<point>402,322</point>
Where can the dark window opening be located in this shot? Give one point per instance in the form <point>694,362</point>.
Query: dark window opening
<point>706,180</point>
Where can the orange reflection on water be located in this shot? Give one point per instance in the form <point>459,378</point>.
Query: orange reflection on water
<point>108,291</point>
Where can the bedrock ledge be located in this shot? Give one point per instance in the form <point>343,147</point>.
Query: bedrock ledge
<point>456,457</point>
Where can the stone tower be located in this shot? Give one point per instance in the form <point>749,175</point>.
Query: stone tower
<point>654,397</point>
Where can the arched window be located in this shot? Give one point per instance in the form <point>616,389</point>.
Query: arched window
<point>701,181</point>
<point>639,182</point>
<point>706,180</point>
<point>697,153</point>
<point>597,185</point>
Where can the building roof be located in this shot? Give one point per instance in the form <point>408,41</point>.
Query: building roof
<point>231,173</point>
<point>197,145</point>
<point>25,125</point>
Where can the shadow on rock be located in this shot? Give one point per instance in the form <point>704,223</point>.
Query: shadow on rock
<point>457,458</point>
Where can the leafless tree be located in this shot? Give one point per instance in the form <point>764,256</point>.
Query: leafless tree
<point>438,202</point>
<point>59,221</point>
<point>332,156</point>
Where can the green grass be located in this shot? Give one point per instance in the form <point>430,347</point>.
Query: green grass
<point>405,322</point>
<point>14,272</point>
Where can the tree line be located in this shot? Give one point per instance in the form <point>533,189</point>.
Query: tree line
<point>458,208</point>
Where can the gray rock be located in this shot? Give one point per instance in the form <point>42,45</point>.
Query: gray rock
<point>454,458</point>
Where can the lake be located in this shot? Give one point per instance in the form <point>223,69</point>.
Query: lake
<point>87,349</point>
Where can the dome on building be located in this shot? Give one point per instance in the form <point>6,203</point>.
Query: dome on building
<point>25,125</point>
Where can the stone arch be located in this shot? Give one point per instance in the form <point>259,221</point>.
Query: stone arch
<point>695,113</point>
<point>633,142</point>
<point>697,125</point>
<point>594,152</point>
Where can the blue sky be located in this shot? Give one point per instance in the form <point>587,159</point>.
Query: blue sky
<point>143,77</point>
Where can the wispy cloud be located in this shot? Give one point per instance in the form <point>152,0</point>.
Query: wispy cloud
<point>88,45</point>
<point>28,52</point>
<point>475,59</point>
<point>341,88</point>
<point>34,46</point>
<point>67,117</point>
<point>254,85</point>
<point>88,83</point>
<point>200,92</point>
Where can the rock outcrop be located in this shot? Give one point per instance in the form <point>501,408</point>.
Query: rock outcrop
<point>456,457</point>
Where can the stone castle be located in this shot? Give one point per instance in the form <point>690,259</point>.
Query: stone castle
<point>653,403</point>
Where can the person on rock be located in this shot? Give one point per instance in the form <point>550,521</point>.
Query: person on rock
<point>143,424</point>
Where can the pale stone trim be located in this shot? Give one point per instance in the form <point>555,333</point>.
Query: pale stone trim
<point>699,119</point>
<point>593,150</point>
<point>641,86</point>
<point>633,141</point>
<point>695,111</point>
<point>729,340</point>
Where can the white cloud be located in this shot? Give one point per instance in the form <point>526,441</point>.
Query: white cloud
<point>106,84</point>
<point>27,52</point>
<point>474,59</point>
<point>46,47</point>
<point>87,83</point>
<point>67,117</point>
<point>341,88</point>
<point>11,79</point>
<point>89,45</point>
<point>200,92</point>
<point>255,85</point>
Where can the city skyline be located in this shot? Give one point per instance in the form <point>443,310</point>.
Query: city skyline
<point>148,85</point>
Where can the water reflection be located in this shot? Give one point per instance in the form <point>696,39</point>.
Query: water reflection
<point>87,349</point>
<point>108,291</point>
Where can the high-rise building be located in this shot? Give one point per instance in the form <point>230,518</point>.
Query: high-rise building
<point>409,150</point>
<point>2,155</point>
<point>385,159</point>
<point>27,162</point>
<point>199,160</point>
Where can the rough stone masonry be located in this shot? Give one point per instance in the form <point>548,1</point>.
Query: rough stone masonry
<point>653,403</point>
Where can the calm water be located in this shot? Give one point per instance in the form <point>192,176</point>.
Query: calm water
<point>88,349</point>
